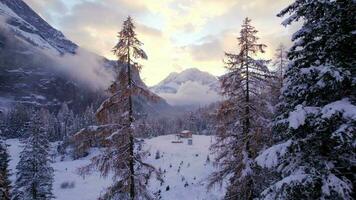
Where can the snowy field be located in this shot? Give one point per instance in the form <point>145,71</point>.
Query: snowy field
<point>185,169</point>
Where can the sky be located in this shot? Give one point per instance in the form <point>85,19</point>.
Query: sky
<point>177,34</point>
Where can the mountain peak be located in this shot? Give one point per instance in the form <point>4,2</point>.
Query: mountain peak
<point>190,74</point>
<point>182,88</point>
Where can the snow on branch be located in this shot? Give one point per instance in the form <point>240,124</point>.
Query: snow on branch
<point>271,156</point>
<point>343,106</point>
<point>297,117</point>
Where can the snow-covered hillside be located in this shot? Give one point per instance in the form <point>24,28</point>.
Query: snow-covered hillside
<point>189,87</point>
<point>41,67</point>
<point>22,21</point>
<point>185,169</point>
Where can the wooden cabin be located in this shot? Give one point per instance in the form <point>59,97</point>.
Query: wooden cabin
<point>185,134</point>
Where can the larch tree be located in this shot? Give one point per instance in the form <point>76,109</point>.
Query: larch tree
<point>122,156</point>
<point>280,62</point>
<point>5,184</point>
<point>34,176</point>
<point>315,154</point>
<point>242,119</point>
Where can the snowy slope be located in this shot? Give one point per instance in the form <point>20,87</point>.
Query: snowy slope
<point>29,26</point>
<point>29,73</point>
<point>189,87</point>
<point>190,159</point>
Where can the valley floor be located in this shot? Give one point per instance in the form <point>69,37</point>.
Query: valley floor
<point>185,170</point>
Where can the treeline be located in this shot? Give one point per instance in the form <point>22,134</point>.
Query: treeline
<point>60,125</point>
<point>201,121</point>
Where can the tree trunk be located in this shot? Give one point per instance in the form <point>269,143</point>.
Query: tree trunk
<point>281,68</point>
<point>247,125</point>
<point>131,138</point>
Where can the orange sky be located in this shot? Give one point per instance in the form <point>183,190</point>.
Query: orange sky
<point>177,34</point>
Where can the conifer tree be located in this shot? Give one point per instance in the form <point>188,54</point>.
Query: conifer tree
<point>116,115</point>
<point>89,117</point>
<point>241,116</point>
<point>14,124</point>
<point>34,176</point>
<point>5,184</point>
<point>280,63</point>
<point>315,154</point>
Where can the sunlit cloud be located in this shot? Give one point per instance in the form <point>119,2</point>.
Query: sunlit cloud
<point>177,34</point>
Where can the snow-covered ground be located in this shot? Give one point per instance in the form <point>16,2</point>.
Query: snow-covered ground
<point>180,164</point>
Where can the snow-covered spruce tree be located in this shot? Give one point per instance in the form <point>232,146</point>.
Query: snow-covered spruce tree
<point>242,120</point>
<point>5,184</point>
<point>13,125</point>
<point>89,117</point>
<point>66,120</point>
<point>121,157</point>
<point>316,151</point>
<point>34,175</point>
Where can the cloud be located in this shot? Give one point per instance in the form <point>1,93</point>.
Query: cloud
<point>177,34</point>
<point>84,66</point>
<point>211,48</point>
<point>192,93</point>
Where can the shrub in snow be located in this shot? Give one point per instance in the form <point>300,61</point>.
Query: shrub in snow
<point>158,155</point>
<point>208,159</point>
<point>67,185</point>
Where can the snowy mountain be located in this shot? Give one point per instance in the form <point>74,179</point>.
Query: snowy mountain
<point>40,66</point>
<point>189,87</point>
<point>29,26</point>
<point>33,61</point>
<point>185,171</point>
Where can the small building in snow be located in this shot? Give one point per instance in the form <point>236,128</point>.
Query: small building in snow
<point>185,134</point>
